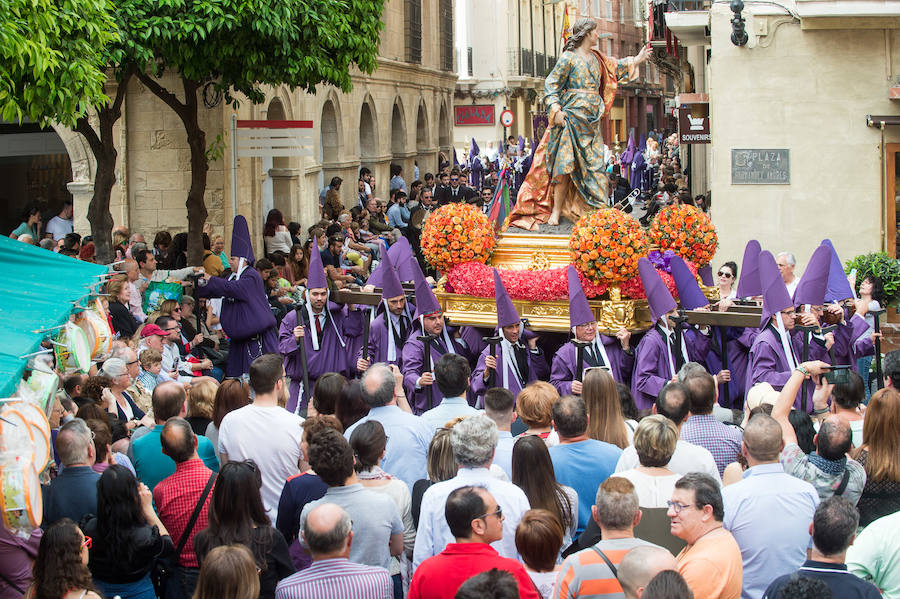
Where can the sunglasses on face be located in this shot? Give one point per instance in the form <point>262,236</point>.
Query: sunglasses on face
<point>87,542</point>
<point>727,275</point>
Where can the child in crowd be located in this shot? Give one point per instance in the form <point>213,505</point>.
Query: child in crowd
<point>151,367</point>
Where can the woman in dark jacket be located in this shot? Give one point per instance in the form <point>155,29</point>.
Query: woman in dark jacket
<point>237,515</point>
<point>128,537</point>
<point>118,294</point>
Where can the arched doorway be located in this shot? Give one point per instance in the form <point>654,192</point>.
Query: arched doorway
<point>368,140</point>
<point>444,138</point>
<point>421,139</point>
<point>35,168</point>
<point>279,186</point>
<point>398,140</point>
<point>398,133</point>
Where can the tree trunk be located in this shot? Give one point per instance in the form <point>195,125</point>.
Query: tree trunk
<point>188,112</point>
<point>103,147</point>
<point>196,206</point>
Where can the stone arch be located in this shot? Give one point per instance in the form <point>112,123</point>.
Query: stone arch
<point>444,134</point>
<point>398,130</point>
<point>84,165</point>
<point>84,170</point>
<point>422,128</point>
<point>368,130</point>
<point>330,132</point>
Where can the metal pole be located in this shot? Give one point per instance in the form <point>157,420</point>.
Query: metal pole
<point>879,374</point>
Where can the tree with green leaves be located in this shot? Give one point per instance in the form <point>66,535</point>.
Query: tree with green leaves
<point>52,58</point>
<point>240,45</point>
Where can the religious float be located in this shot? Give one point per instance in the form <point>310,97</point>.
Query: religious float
<point>604,246</point>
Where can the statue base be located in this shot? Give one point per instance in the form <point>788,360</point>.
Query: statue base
<point>534,251</point>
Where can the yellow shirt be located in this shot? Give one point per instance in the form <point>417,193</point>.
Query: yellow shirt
<point>712,566</point>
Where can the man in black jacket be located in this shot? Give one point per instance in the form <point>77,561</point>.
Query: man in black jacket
<point>456,192</point>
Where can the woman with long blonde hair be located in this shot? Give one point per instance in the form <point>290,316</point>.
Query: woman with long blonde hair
<point>879,456</point>
<point>605,419</point>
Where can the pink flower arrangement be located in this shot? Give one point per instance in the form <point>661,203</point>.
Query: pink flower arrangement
<point>473,278</point>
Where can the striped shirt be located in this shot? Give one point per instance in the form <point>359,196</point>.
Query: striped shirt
<point>337,578</point>
<point>585,575</point>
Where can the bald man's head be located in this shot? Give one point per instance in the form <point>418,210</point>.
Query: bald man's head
<point>762,439</point>
<point>834,438</point>
<point>640,565</point>
<point>178,440</point>
<point>327,531</point>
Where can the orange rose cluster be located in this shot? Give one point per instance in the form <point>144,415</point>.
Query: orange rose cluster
<point>457,233</point>
<point>605,246</point>
<point>686,231</point>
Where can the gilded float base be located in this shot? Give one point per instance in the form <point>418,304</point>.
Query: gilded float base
<point>532,251</point>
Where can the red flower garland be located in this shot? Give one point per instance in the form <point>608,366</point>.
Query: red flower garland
<point>473,278</point>
<point>634,288</point>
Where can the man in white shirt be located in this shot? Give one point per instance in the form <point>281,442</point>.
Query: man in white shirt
<point>473,441</point>
<point>674,403</point>
<point>786,263</point>
<point>264,432</point>
<point>61,224</point>
<point>451,374</point>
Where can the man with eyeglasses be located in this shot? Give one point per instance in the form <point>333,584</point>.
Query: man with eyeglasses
<point>473,442</point>
<point>455,192</point>
<point>475,519</point>
<point>711,562</point>
<point>172,360</point>
<point>777,351</point>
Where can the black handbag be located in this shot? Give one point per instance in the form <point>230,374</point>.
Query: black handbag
<point>164,574</point>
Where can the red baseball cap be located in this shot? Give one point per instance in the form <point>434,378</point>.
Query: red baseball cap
<point>152,329</point>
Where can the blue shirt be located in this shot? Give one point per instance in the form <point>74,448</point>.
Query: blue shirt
<point>152,465</point>
<point>768,513</point>
<point>408,439</point>
<point>843,584</point>
<point>584,465</point>
<point>448,409</point>
<point>72,494</point>
<point>503,453</point>
<point>395,216</point>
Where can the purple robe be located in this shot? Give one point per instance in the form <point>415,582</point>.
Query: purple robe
<point>537,369</point>
<point>563,370</point>
<point>378,343</point>
<point>246,318</point>
<point>413,367</point>
<point>849,344</point>
<point>330,357</point>
<point>651,368</point>
<point>474,339</point>
<point>739,343</point>
<point>769,364</point>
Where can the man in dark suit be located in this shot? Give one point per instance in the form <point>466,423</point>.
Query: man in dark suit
<point>456,192</point>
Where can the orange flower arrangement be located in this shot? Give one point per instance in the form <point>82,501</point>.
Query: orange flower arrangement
<point>686,231</point>
<point>606,244</point>
<point>457,233</point>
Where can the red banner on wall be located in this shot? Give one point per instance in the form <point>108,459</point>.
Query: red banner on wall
<point>474,114</point>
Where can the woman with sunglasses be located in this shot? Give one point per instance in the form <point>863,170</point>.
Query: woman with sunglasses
<point>128,536</point>
<point>237,515</point>
<point>61,566</point>
<point>726,278</point>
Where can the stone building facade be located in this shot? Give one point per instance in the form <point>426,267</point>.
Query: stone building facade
<point>401,113</point>
<point>816,82</point>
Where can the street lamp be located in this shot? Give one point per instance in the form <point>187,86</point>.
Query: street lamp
<point>738,32</point>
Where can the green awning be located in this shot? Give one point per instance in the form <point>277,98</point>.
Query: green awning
<point>38,290</point>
